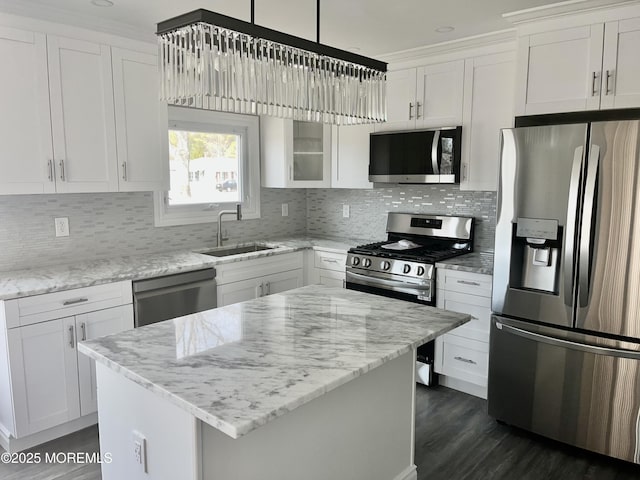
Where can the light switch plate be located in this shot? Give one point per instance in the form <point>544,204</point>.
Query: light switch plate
<point>62,226</point>
<point>346,211</point>
<point>285,209</point>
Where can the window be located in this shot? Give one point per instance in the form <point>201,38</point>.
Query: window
<point>213,165</point>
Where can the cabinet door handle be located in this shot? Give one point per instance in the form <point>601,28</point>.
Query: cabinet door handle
<point>465,360</point>
<point>290,172</point>
<point>464,171</point>
<point>72,337</point>
<point>83,330</point>
<point>410,111</point>
<point>124,170</point>
<point>261,287</point>
<point>468,282</point>
<point>609,75</point>
<point>62,175</point>
<point>50,166</point>
<point>268,287</point>
<point>74,301</point>
<point>594,92</point>
<point>418,105</point>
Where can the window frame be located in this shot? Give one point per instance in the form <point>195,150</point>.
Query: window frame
<point>192,119</point>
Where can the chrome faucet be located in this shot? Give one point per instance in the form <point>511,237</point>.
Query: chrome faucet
<point>237,212</point>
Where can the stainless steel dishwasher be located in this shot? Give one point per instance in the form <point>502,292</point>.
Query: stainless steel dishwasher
<point>161,298</point>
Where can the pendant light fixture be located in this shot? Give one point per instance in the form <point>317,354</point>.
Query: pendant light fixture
<point>212,61</point>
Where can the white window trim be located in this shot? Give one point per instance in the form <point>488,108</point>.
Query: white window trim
<point>249,125</point>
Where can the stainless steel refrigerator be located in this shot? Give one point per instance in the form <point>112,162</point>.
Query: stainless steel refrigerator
<point>565,334</point>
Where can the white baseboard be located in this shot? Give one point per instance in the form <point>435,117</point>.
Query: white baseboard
<point>12,445</point>
<point>411,473</point>
<point>462,386</point>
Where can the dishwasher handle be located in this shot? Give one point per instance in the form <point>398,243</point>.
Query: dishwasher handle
<point>171,281</point>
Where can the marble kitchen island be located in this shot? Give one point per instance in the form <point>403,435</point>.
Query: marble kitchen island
<point>315,383</point>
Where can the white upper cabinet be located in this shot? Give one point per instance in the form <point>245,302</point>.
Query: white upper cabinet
<point>621,64</point>
<point>138,114</point>
<point>582,68</point>
<point>488,107</point>
<point>439,94</point>
<point>350,156</point>
<point>401,100</point>
<point>82,116</point>
<point>26,156</point>
<point>295,154</point>
<point>424,97</point>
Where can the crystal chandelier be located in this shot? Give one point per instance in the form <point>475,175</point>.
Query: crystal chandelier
<point>212,61</point>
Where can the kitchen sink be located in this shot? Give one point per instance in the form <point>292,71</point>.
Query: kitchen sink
<point>225,252</point>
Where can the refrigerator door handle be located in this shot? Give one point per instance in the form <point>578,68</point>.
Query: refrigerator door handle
<point>588,210</point>
<point>582,347</point>
<point>572,221</point>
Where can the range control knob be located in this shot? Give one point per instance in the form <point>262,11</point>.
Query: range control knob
<point>385,265</point>
<point>355,261</point>
<point>420,271</point>
<point>407,268</point>
<point>366,263</point>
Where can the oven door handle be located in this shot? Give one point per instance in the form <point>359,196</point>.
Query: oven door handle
<point>375,281</point>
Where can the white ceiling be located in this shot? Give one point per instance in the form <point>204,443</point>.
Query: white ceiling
<point>373,26</point>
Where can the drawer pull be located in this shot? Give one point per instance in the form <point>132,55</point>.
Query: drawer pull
<point>75,301</point>
<point>468,282</point>
<point>465,360</point>
<point>330,260</point>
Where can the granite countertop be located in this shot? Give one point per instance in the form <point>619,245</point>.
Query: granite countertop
<point>476,262</point>
<point>36,281</point>
<point>240,366</point>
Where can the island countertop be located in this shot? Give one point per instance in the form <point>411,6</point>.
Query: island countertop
<point>240,366</point>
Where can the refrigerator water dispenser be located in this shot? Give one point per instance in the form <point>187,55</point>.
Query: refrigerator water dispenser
<point>538,241</point>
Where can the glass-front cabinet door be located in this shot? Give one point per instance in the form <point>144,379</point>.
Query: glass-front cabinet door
<point>295,154</point>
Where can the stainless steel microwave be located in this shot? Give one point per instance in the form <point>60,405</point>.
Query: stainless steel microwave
<point>417,156</point>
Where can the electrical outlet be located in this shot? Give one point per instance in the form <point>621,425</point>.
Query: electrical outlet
<point>62,226</point>
<point>140,450</point>
<point>345,211</point>
<point>285,209</point>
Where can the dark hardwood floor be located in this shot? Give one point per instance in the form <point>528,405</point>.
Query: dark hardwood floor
<point>455,440</point>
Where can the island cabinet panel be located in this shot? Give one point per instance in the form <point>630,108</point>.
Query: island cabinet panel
<point>171,434</point>
<point>364,427</point>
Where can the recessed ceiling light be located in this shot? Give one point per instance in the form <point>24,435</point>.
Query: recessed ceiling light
<point>102,3</point>
<point>445,29</point>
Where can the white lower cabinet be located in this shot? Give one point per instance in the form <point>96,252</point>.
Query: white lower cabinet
<point>249,279</point>
<point>50,385</point>
<point>462,355</point>
<point>326,268</point>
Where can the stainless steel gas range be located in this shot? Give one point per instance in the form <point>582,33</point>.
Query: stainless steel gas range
<point>403,266</point>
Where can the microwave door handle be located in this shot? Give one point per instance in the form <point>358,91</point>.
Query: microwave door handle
<point>588,211</point>
<point>572,220</point>
<point>434,152</point>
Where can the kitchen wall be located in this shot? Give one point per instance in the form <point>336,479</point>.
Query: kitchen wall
<point>368,209</point>
<point>108,224</point>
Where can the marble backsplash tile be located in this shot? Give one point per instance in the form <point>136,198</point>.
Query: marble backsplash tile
<point>369,208</point>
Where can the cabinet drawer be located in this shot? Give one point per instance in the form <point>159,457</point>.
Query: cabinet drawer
<point>478,307</point>
<point>464,282</point>
<point>330,260</point>
<point>464,359</point>
<point>39,308</point>
<point>244,269</point>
